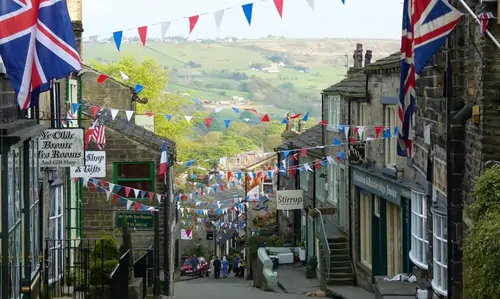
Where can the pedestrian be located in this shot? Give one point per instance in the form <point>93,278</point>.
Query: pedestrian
<point>242,268</point>
<point>236,266</point>
<point>212,273</point>
<point>194,265</point>
<point>225,267</point>
<point>217,266</point>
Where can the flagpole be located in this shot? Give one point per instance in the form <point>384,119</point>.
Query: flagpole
<point>488,33</point>
<point>166,232</point>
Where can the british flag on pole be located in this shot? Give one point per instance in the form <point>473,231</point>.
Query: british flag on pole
<point>426,25</point>
<point>37,44</point>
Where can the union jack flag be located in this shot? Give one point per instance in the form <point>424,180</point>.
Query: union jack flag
<point>426,25</point>
<point>37,44</point>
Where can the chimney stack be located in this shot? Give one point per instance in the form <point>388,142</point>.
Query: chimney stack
<point>75,8</point>
<point>358,56</point>
<point>300,125</point>
<point>368,57</point>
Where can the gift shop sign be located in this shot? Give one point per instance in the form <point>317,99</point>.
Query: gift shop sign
<point>61,148</point>
<point>95,166</point>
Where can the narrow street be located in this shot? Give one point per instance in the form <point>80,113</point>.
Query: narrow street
<point>224,289</point>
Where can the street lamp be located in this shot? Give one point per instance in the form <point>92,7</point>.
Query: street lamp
<point>51,173</point>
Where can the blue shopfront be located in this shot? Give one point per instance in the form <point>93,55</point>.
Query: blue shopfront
<point>383,227</point>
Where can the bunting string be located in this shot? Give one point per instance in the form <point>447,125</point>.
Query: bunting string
<point>192,21</point>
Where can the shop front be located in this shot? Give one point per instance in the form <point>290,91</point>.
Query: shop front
<point>383,215</point>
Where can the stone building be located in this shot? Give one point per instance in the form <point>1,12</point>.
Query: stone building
<point>472,98</point>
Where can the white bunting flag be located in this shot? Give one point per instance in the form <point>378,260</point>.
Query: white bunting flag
<point>164,28</point>
<point>311,3</point>
<point>136,192</point>
<point>218,108</point>
<point>330,160</point>
<point>361,129</point>
<point>114,113</point>
<point>218,18</point>
<point>158,197</point>
<point>308,168</point>
<point>92,43</point>
<point>188,118</point>
<point>124,76</point>
<point>129,114</point>
<point>85,181</point>
<point>107,194</point>
<point>129,204</point>
<point>346,132</point>
<point>111,187</point>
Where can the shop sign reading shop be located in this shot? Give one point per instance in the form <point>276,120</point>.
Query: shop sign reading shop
<point>61,148</point>
<point>95,166</point>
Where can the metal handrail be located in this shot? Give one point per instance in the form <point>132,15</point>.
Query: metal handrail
<point>326,247</point>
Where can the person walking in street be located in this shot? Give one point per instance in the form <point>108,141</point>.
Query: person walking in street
<point>194,265</point>
<point>225,267</point>
<point>212,273</point>
<point>242,268</point>
<point>217,266</point>
<point>236,266</point>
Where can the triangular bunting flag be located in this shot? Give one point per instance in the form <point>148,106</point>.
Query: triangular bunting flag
<point>218,18</point>
<point>114,113</point>
<point>227,122</point>
<point>158,197</point>
<point>129,114</point>
<point>378,129</point>
<point>149,114</point>
<point>279,7</point>
<point>151,195</point>
<point>168,117</point>
<point>138,88</point>
<point>346,132</point>
<point>361,129</point>
<point>74,107</point>
<point>336,142</point>
<point>311,3</point>
<point>117,36</point>
<point>129,204</point>
<point>143,33</point>
<point>136,192</point>
<point>164,28</point>
<point>208,121</point>
<point>127,191</point>
<point>247,10</point>
<point>265,118</point>
<point>102,78</point>
<point>124,76</point>
<point>111,187</point>
<point>188,118</point>
<point>303,152</point>
<point>107,194</point>
<point>192,22</point>
<point>94,110</point>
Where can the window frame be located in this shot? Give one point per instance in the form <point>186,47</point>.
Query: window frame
<point>333,117</point>
<point>117,180</point>
<point>394,224</point>
<point>304,174</point>
<point>56,222</point>
<point>333,173</point>
<point>35,213</point>
<point>390,121</point>
<point>363,117</point>
<point>435,183</point>
<point>365,231</point>
<point>15,205</point>
<point>320,190</point>
<point>419,242</point>
<point>440,265</point>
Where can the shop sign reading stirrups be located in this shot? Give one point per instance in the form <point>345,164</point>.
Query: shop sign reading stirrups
<point>290,199</point>
<point>61,148</point>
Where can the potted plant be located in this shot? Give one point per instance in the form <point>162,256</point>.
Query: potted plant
<point>312,264</point>
<point>302,252</point>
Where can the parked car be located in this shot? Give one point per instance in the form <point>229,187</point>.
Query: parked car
<point>203,267</point>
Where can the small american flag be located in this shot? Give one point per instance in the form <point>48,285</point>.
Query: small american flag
<point>98,134</point>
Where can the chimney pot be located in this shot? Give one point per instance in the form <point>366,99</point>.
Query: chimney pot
<point>368,57</point>
<point>358,56</point>
<point>300,125</point>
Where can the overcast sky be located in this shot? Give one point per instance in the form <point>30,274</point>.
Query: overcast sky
<point>330,18</point>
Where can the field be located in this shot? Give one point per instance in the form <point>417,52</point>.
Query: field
<point>200,68</point>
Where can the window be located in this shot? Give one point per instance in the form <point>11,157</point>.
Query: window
<point>34,208</point>
<point>304,174</point>
<point>14,219</point>
<point>135,175</point>
<point>440,175</point>
<point>56,231</point>
<point>419,243</point>
<point>333,118</point>
<point>376,206</point>
<point>394,238</point>
<point>320,183</point>
<point>390,143</point>
<point>333,184</point>
<point>363,114</point>
<point>440,254</point>
<point>365,229</point>
<point>420,158</point>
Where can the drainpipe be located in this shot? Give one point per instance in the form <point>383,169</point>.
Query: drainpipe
<point>349,198</point>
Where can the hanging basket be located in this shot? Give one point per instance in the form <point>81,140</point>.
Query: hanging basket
<point>313,213</point>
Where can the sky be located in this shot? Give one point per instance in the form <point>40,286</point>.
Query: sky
<point>329,19</point>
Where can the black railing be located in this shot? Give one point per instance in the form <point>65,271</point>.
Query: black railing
<point>120,277</point>
<point>143,267</point>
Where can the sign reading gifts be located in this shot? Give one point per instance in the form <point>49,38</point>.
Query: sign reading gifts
<point>61,148</point>
<point>378,186</point>
<point>95,166</point>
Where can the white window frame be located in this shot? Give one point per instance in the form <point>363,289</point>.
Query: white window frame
<point>363,114</point>
<point>304,174</point>
<point>56,249</point>
<point>440,189</point>
<point>320,184</point>
<point>390,121</point>
<point>365,210</point>
<point>333,117</point>
<point>440,254</point>
<point>333,182</point>
<point>419,242</point>
<point>34,208</point>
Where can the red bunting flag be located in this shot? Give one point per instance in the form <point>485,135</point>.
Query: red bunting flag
<point>115,199</point>
<point>323,122</point>
<point>143,32</point>
<point>265,119</point>
<point>295,116</point>
<point>127,191</point>
<point>355,133</point>
<point>222,187</point>
<point>192,22</point>
<point>229,174</point>
<point>317,164</point>
<point>103,183</point>
<point>137,206</point>
<point>149,114</point>
<point>352,140</point>
<point>279,7</point>
<point>94,110</point>
<point>102,78</point>
<point>208,122</point>
<point>303,152</point>
<point>378,130</point>
<point>151,195</point>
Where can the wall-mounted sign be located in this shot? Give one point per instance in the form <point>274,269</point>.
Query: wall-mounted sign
<point>382,187</point>
<point>95,166</point>
<point>186,234</point>
<point>357,153</point>
<point>135,219</point>
<point>61,148</point>
<point>210,236</point>
<point>145,121</point>
<point>290,199</point>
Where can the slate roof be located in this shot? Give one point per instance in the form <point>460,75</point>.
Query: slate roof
<point>354,86</point>
<point>390,62</point>
<point>133,131</point>
<point>309,138</point>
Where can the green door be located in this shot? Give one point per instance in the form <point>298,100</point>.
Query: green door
<point>379,237</point>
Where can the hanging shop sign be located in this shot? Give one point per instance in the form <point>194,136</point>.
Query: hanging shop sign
<point>61,148</point>
<point>145,121</point>
<point>95,166</point>
<point>186,234</point>
<point>290,199</point>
